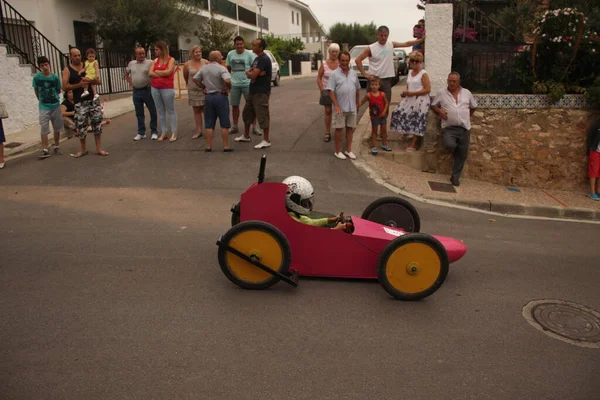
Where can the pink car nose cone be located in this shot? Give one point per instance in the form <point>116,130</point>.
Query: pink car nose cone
<point>455,248</point>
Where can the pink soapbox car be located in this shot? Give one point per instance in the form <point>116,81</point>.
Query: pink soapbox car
<point>266,245</point>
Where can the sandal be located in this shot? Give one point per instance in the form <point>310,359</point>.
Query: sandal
<point>327,137</point>
<point>102,153</point>
<point>173,138</point>
<point>162,137</point>
<point>197,135</point>
<point>79,154</point>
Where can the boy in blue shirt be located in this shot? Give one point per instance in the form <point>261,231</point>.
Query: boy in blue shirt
<point>47,88</point>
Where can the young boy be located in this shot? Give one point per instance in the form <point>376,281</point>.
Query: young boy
<point>378,104</point>
<point>90,70</point>
<point>47,88</point>
<point>593,143</point>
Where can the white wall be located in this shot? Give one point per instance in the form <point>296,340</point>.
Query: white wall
<point>280,16</point>
<point>16,93</point>
<point>54,18</point>
<point>438,45</point>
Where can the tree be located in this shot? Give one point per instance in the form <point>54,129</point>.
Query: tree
<point>125,24</point>
<point>214,34</point>
<point>282,48</point>
<point>353,34</point>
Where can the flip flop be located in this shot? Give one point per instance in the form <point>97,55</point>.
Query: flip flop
<point>172,139</point>
<point>197,136</point>
<point>79,154</point>
<point>327,137</point>
<point>103,153</point>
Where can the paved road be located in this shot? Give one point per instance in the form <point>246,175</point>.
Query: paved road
<point>110,286</point>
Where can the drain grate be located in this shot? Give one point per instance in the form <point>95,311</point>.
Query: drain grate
<point>442,187</point>
<point>569,322</point>
<point>12,145</point>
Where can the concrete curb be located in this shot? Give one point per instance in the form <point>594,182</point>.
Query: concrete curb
<point>511,210</point>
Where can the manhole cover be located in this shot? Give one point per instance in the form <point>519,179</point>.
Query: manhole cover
<point>12,145</point>
<point>441,187</point>
<point>569,322</point>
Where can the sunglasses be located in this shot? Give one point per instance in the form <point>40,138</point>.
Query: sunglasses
<point>415,61</point>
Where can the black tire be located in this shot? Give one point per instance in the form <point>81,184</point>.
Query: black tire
<point>235,215</point>
<point>394,212</point>
<point>417,271</point>
<point>277,80</point>
<point>248,246</point>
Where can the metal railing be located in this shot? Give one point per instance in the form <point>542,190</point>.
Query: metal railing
<point>23,39</point>
<point>491,70</point>
<point>471,24</point>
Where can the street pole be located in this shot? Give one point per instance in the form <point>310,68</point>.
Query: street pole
<point>259,4</point>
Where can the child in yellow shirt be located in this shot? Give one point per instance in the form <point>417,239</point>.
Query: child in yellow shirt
<point>91,70</point>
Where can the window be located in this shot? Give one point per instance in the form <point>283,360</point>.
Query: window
<point>292,16</point>
<point>297,18</point>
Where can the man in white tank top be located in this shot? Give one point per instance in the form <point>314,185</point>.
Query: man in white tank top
<point>381,59</point>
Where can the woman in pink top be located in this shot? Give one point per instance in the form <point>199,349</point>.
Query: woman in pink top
<point>162,72</point>
<point>327,67</point>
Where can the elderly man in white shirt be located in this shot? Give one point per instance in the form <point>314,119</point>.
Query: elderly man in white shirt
<point>455,106</point>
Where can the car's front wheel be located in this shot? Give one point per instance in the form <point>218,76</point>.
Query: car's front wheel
<point>277,79</point>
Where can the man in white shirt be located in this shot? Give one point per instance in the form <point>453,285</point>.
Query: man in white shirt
<point>455,106</point>
<point>381,60</point>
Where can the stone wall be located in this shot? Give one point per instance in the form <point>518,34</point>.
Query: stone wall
<point>543,148</point>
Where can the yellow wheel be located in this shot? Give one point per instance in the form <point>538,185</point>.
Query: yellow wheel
<point>263,243</point>
<point>413,266</point>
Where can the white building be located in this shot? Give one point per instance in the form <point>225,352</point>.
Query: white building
<point>64,22</point>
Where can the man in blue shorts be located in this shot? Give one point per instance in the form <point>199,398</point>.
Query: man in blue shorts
<point>238,62</point>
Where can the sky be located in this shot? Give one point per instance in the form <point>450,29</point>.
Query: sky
<point>399,15</point>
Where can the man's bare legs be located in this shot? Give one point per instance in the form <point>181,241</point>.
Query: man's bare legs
<point>225,136</point>
<point>349,134</point>
<point>593,188</point>
<point>338,140</point>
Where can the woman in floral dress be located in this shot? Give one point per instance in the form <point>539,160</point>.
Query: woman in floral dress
<point>410,117</point>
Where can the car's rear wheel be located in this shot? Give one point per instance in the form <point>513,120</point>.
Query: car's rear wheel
<point>394,212</point>
<point>277,79</point>
<point>413,267</point>
<point>263,243</point>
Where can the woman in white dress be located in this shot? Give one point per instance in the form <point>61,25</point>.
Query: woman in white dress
<point>410,117</point>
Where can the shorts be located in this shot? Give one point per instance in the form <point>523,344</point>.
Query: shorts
<point>236,94</point>
<point>379,121</point>
<point>594,165</point>
<point>88,112</point>
<point>54,116</point>
<point>325,100</point>
<point>216,106</point>
<point>257,107</point>
<point>386,87</point>
<point>345,120</point>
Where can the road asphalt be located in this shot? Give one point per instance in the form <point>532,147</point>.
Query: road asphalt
<point>110,286</point>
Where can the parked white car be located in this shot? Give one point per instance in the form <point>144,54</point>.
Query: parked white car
<point>355,52</point>
<point>275,74</point>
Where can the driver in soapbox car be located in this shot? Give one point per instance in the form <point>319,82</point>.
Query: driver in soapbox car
<point>299,203</point>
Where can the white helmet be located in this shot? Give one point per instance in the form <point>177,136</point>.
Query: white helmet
<point>299,197</point>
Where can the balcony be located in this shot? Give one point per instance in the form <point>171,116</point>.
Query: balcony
<point>232,10</point>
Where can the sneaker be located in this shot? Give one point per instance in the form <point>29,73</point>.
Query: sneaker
<point>139,137</point>
<point>257,130</point>
<point>374,151</point>
<point>86,93</point>
<point>154,136</point>
<point>242,139</point>
<point>57,150</point>
<point>386,148</point>
<point>454,181</point>
<point>350,154</point>
<point>96,97</point>
<point>234,129</point>
<point>263,144</point>
<point>44,154</point>
<point>2,165</point>
<point>594,196</point>
<point>340,156</point>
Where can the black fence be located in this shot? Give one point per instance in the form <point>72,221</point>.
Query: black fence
<point>492,70</point>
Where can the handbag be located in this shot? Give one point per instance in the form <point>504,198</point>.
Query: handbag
<point>3,112</point>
